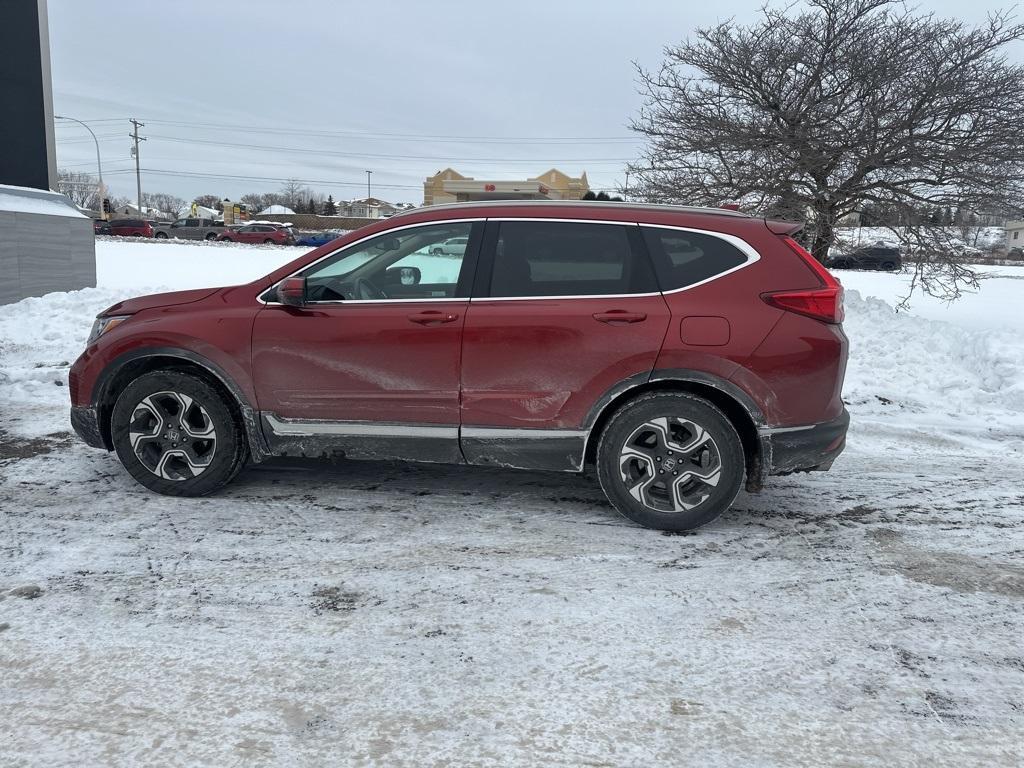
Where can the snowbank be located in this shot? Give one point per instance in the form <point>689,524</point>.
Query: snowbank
<point>27,200</point>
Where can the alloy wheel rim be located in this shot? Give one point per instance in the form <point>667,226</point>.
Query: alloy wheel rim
<point>172,435</point>
<point>670,464</point>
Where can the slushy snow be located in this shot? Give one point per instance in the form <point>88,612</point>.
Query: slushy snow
<point>377,613</point>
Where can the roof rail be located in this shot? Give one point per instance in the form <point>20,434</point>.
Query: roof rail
<point>574,204</point>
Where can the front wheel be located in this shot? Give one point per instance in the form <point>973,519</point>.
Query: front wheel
<point>160,235</point>
<point>211,236</point>
<point>176,434</point>
<point>268,241</point>
<point>670,461</point>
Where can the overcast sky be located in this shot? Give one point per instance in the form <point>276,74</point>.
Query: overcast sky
<point>324,91</point>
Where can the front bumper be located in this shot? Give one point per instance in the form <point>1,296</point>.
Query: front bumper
<point>804,449</point>
<point>86,423</point>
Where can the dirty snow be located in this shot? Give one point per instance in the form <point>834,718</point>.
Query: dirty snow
<point>389,614</point>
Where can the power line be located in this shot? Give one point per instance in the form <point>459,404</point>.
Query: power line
<point>381,156</point>
<point>384,135</point>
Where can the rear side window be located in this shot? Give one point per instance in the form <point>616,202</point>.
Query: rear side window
<point>682,258</point>
<point>556,258</point>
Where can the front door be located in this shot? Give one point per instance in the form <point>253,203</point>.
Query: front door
<point>370,365</point>
<point>569,311</point>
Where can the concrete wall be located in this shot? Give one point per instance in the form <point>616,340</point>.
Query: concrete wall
<point>43,252</point>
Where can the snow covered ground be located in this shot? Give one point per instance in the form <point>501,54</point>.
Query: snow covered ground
<point>388,614</point>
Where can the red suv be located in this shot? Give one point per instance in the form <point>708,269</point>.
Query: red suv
<point>683,352</point>
<point>260,233</point>
<point>131,228</point>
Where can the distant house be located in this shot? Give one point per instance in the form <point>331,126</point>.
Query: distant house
<point>370,208</point>
<point>132,211</point>
<point>1014,234</point>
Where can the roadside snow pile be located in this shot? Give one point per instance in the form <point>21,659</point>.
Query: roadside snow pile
<point>934,374</point>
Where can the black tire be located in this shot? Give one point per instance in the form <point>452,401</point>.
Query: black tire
<point>630,419</point>
<point>227,457</point>
<point>889,266</point>
<point>268,241</point>
<point>160,235</point>
<point>211,236</point>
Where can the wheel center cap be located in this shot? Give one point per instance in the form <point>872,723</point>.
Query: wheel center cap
<point>669,464</point>
<point>173,435</point>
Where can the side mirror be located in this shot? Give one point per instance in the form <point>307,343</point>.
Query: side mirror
<point>403,276</point>
<point>292,291</point>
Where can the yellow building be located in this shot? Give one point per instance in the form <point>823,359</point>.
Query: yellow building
<point>450,186</point>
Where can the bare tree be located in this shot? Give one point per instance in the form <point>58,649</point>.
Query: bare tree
<point>166,203</point>
<point>210,201</point>
<point>81,187</point>
<point>818,112</point>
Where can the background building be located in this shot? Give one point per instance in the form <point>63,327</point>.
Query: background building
<point>450,186</point>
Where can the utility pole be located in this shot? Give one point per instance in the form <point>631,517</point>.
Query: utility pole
<point>135,151</point>
<point>625,189</point>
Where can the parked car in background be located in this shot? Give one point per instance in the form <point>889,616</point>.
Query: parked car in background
<point>455,246</point>
<point>883,257</point>
<point>685,353</point>
<point>131,228</point>
<point>190,229</point>
<point>101,227</point>
<point>316,239</point>
<point>1015,253</point>
<point>259,233</point>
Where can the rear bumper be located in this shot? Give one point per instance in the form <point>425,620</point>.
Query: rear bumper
<point>86,423</point>
<point>804,449</point>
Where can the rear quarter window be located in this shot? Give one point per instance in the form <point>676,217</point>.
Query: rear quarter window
<point>683,258</point>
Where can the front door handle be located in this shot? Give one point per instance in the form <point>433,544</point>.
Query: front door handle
<point>620,317</point>
<point>433,317</point>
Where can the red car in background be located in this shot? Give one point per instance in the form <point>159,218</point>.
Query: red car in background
<point>271,234</point>
<point>131,228</point>
<point>684,353</point>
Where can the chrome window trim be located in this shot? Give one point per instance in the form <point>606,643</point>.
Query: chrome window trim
<point>742,245</point>
<point>327,255</point>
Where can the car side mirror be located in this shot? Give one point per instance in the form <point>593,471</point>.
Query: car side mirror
<point>291,292</point>
<point>403,276</point>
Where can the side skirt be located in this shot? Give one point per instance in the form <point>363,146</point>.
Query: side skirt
<point>544,449</point>
<point>362,440</point>
<point>550,449</point>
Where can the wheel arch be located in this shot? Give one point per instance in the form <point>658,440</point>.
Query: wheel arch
<point>738,407</point>
<point>128,367</point>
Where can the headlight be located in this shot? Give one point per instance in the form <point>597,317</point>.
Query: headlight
<point>104,324</point>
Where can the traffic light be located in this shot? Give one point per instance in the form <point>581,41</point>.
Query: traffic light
<point>106,205</point>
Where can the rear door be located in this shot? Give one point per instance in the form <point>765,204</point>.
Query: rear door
<point>562,312</point>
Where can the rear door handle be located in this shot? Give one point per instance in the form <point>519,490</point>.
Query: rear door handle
<point>433,317</point>
<point>620,317</point>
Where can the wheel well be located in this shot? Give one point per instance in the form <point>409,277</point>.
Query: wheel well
<point>727,404</point>
<point>131,370</point>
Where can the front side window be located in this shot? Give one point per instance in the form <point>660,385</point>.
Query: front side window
<point>557,258</point>
<point>683,258</point>
<point>403,264</point>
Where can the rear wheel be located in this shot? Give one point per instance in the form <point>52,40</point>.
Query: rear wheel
<point>670,461</point>
<point>889,266</point>
<point>211,236</point>
<point>176,434</point>
<point>160,235</point>
<point>268,241</point>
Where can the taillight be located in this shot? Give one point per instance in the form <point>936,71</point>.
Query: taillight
<point>825,303</point>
